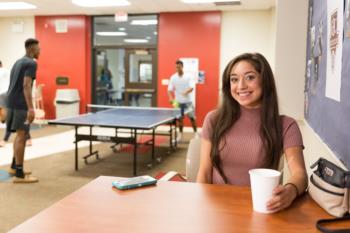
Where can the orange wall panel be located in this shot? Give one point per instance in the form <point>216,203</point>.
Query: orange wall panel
<point>195,35</point>
<point>64,54</point>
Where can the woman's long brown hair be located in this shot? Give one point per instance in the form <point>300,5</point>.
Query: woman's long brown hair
<point>229,112</point>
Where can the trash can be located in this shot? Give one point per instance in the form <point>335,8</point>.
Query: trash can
<point>67,103</point>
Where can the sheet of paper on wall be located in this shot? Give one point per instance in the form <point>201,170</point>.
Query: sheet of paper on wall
<point>347,18</point>
<point>334,48</point>
<point>191,66</point>
<point>61,25</point>
<point>17,26</point>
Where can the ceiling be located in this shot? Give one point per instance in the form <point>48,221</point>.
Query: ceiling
<point>65,7</point>
<point>107,24</point>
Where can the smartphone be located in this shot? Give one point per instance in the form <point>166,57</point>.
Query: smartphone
<point>134,182</point>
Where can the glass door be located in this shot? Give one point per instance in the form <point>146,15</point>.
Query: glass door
<point>140,77</point>
<point>110,77</point>
<point>125,71</point>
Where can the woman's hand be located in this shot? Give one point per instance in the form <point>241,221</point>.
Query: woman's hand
<point>283,196</point>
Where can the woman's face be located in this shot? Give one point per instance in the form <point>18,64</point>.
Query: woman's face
<point>245,84</point>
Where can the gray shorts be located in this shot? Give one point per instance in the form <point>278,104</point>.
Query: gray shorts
<point>187,109</point>
<point>3,100</point>
<point>16,120</point>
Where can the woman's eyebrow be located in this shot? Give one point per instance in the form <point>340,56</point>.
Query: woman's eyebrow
<point>248,72</point>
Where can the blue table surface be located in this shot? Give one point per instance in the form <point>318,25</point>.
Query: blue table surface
<point>124,117</point>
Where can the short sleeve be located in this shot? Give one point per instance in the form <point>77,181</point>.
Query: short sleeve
<point>30,70</point>
<point>171,84</point>
<point>291,133</point>
<point>207,128</point>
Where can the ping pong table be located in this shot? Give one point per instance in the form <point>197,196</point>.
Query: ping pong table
<point>135,119</point>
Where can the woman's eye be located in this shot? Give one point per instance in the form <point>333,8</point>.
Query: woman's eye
<point>233,80</point>
<point>250,77</point>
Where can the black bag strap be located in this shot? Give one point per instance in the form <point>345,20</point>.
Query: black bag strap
<point>327,230</point>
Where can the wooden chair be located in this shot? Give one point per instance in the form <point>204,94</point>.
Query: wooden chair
<point>39,104</point>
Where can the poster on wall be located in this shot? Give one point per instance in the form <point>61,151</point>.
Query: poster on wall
<point>334,48</point>
<point>191,67</point>
<point>347,19</point>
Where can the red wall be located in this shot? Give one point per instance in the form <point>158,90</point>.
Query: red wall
<point>190,34</point>
<point>64,54</point>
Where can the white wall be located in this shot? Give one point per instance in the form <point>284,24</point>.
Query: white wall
<point>246,31</point>
<point>290,60</point>
<point>291,36</point>
<point>273,37</point>
<point>12,43</point>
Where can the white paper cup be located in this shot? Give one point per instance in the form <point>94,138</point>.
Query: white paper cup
<point>262,182</point>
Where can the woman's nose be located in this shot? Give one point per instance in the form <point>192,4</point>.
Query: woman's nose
<point>242,84</point>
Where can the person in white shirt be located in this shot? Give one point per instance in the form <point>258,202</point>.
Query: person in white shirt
<point>182,84</point>
<point>4,84</point>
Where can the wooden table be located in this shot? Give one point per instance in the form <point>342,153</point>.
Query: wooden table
<point>168,207</point>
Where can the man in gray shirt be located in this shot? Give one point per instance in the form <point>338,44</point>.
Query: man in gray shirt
<point>20,110</point>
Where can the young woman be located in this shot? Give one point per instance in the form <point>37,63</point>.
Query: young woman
<point>247,132</point>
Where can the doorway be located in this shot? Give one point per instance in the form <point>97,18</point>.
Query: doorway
<point>140,78</point>
<point>125,61</point>
<point>125,77</point>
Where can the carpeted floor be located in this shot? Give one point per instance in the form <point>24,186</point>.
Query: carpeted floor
<point>57,177</point>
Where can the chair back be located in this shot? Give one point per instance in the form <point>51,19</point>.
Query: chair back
<point>192,159</point>
<point>39,103</point>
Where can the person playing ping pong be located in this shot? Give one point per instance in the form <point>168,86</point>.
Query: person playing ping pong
<point>179,89</point>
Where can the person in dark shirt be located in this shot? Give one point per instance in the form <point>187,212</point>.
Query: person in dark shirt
<point>20,110</point>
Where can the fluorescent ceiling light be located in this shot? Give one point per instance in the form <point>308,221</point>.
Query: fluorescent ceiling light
<point>121,29</point>
<point>111,33</point>
<point>155,33</point>
<point>148,37</point>
<point>208,1</point>
<point>16,6</point>
<point>135,41</point>
<point>144,22</point>
<point>100,3</point>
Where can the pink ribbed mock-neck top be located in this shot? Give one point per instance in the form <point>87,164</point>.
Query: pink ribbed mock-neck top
<point>243,149</point>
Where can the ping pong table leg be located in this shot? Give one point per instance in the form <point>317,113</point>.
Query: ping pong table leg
<point>90,147</point>
<point>171,137</point>
<point>174,124</point>
<point>153,143</point>
<point>135,150</point>
<point>76,148</point>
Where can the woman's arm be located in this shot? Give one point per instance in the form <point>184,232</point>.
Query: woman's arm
<point>295,185</point>
<point>205,166</point>
<point>296,165</point>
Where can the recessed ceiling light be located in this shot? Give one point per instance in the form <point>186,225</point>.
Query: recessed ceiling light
<point>100,3</point>
<point>148,37</point>
<point>111,33</point>
<point>155,33</point>
<point>208,1</point>
<point>144,22</point>
<point>121,29</point>
<point>16,6</point>
<point>135,41</point>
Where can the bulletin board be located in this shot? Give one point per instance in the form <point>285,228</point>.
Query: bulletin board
<point>327,81</point>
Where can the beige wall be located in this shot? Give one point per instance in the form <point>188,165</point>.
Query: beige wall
<point>246,31</point>
<point>12,43</point>
<point>290,62</point>
<point>291,36</point>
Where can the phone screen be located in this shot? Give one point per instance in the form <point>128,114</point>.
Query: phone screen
<point>135,180</point>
